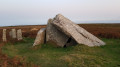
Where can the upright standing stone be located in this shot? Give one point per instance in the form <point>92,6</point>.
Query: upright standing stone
<point>80,35</point>
<point>56,37</point>
<point>14,33</point>
<point>19,35</point>
<point>4,35</point>
<point>40,38</point>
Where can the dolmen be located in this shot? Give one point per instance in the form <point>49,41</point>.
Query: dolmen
<point>62,32</point>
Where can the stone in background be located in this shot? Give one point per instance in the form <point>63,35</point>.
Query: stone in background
<point>13,33</point>
<point>19,34</point>
<point>4,35</point>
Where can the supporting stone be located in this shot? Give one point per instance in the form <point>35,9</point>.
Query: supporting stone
<point>40,38</point>
<point>56,37</point>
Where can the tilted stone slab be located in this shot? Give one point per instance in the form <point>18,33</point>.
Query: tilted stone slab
<point>80,35</point>
<point>40,38</point>
<point>57,37</point>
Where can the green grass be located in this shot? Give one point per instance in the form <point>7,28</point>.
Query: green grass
<point>73,56</point>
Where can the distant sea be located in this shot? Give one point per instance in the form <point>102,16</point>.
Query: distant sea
<point>78,22</point>
<point>100,22</point>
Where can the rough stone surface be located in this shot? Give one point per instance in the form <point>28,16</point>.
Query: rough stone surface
<point>19,35</point>
<point>56,37</point>
<point>40,38</point>
<point>80,35</point>
<point>13,33</point>
<point>4,35</point>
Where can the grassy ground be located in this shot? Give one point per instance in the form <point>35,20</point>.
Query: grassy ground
<point>74,56</point>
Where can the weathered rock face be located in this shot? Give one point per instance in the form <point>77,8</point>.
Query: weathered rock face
<point>19,35</point>
<point>4,35</point>
<point>70,29</point>
<point>40,38</point>
<point>56,37</point>
<point>13,33</point>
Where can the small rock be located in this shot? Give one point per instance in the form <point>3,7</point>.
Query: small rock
<point>34,29</point>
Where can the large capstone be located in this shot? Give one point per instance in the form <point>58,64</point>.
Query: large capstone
<point>68,29</point>
<point>56,37</point>
<point>40,38</point>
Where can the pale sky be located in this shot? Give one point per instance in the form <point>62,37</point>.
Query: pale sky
<point>27,12</point>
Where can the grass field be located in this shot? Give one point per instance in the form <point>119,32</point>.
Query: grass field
<point>22,54</point>
<point>73,56</point>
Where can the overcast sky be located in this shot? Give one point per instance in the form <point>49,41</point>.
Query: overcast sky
<point>22,12</point>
